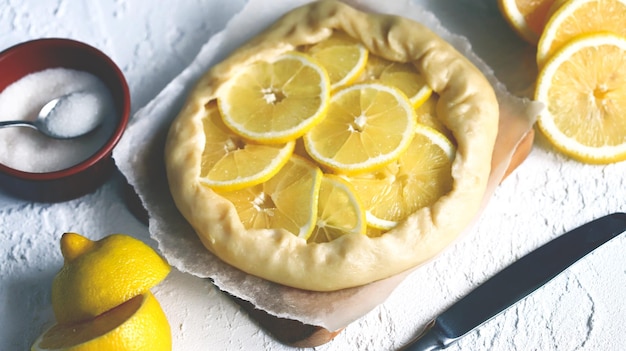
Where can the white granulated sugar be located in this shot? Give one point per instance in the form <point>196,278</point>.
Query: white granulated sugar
<point>76,114</point>
<point>28,150</point>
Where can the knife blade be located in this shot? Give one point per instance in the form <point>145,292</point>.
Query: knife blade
<point>515,282</point>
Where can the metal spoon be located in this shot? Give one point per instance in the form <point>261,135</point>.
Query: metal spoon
<point>57,118</point>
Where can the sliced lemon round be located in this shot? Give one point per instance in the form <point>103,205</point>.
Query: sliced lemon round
<point>584,89</point>
<point>403,76</point>
<point>575,18</point>
<point>343,57</point>
<point>367,126</point>
<point>427,114</point>
<point>339,211</point>
<point>230,162</point>
<point>137,324</point>
<point>275,101</point>
<point>417,179</point>
<point>288,200</point>
<point>526,17</point>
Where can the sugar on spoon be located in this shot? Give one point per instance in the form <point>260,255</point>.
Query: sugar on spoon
<point>66,117</point>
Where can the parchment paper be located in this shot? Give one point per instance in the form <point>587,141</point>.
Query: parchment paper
<point>139,155</point>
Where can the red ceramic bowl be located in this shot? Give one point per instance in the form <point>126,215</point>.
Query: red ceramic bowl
<point>82,178</point>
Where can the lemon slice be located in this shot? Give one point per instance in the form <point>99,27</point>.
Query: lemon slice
<point>138,324</point>
<point>526,17</point>
<point>427,114</point>
<point>230,162</point>
<point>403,76</point>
<point>98,276</point>
<point>417,179</point>
<point>288,200</point>
<point>275,101</point>
<point>584,89</point>
<point>339,211</point>
<point>343,57</point>
<point>367,126</point>
<point>575,18</point>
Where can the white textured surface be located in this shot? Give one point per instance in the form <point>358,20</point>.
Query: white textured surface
<point>582,309</point>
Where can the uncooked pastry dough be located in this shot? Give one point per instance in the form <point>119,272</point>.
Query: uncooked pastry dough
<point>467,106</point>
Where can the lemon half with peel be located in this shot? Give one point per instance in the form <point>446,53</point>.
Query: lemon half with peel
<point>98,276</point>
<point>366,127</point>
<point>288,200</point>
<point>417,179</point>
<point>584,89</point>
<point>138,324</point>
<point>277,100</point>
<point>230,162</point>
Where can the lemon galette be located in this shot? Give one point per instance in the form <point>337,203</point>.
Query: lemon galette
<point>334,149</point>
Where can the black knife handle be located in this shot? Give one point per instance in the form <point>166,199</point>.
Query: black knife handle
<point>517,281</point>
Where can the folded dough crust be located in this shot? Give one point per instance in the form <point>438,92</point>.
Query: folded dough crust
<point>467,106</point>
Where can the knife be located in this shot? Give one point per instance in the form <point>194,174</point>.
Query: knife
<point>515,282</point>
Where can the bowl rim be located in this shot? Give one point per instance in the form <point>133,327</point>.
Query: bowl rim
<point>107,148</point>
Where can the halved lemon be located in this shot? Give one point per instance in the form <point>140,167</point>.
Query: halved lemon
<point>526,17</point>
<point>584,89</point>
<point>138,324</point>
<point>575,18</point>
<point>343,58</point>
<point>367,126</point>
<point>275,101</point>
<point>99,275</point>
<point>288,200</point>
<point>417,179</point>
<point>339,211</point>
<point>230,162</point>
<point>403,76</point>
